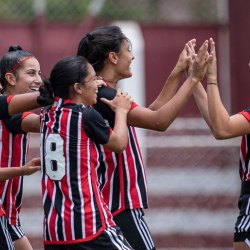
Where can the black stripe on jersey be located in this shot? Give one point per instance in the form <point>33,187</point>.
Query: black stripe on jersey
<point>46,207</point>
<point>73,172</point>
<point>139,172</point>
<point>23,148</point>
<point>247,157</point>
<point>101,169</point>
<point>116,192</point>
<point>58,206</point>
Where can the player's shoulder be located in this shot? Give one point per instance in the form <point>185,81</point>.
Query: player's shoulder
<point>106,92</point>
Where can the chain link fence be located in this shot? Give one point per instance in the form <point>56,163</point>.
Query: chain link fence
<point>192,178</point>
<point>146,11</point>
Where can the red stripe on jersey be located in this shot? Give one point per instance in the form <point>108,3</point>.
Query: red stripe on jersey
<point>110,175</point>
<point>9,98</point>
<point>1,210</point>
<point>245,114</point>
<point>74,209</point>
<point>132,178</point>
<point>53,215</point>
<point>13,153</point>
<point>243,154</point>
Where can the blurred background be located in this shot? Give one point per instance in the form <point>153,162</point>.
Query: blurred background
<point>192,178</point>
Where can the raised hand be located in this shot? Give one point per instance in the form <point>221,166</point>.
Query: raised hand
<point>201,61</point>
<point>212,65</point>
<point>186,56</point>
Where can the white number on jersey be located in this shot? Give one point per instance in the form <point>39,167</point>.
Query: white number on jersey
<point>54,157</point>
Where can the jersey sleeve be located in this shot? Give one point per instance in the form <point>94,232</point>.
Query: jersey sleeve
<point>14,123</point>
<point>95,126</point>
<point>246,113</point>
<point>106,112</point>
<point>4,112</point>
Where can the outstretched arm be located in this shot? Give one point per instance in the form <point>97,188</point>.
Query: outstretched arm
<point>223,125</point>
<point>29,168</point>
<point>163,117</point>
<point>23,102</point>
<point>172,83</point>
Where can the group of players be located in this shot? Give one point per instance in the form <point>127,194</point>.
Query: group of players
<point>93,179</point>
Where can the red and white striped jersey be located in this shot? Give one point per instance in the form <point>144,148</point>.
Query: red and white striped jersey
<point>121,176</point>
<point>4,100</point>
<point>13,152</point>
<point>74,210</point>
<point>244,166</point>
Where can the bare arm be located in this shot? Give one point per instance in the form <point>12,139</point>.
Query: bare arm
<point>23,102</point>
<point>200,96</point>
<point>224,126</point>
<point>171,85</point>
<point>163,117</point>
<point>31,123</point>
<point>29,168</point>
<point>120,105</point>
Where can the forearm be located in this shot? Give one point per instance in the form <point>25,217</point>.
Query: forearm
<point>23,102</point>
<point>171,110</point>
<point>7,173</point>
<point>119,138</point>
<point>169,89</point>
<point>200,96</point>
<point>218,114</point>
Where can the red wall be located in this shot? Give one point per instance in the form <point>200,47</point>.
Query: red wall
<point>163,45</point>
<point>239,12</point>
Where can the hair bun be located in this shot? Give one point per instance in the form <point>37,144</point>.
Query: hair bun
<point>14,48</point>
<point>90,36</point>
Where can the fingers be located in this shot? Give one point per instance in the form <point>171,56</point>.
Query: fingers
<point>35,161</point>
<point>202,53</point>
<point>212,47</point>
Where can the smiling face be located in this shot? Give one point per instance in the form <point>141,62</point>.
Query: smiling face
<point>89,87</point>
<point>124,60</point>
<point>26,78</point>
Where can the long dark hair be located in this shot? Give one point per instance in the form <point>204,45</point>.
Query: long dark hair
<point>11,62</point>
<point>65,73</point>
<point>96,46</point>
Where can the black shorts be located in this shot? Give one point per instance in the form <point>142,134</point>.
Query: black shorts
<point>135,229</point>
<point>6,242</point>
<point>242,225</point>
<point>16,232</point>
<point>111,239</point>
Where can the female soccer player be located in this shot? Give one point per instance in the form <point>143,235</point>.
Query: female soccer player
<point>76,216</point>
<point>20,73</point>
<point>224,126</point>
<point>122,175</point>
<point>7,173</point>
<point>9,106</point>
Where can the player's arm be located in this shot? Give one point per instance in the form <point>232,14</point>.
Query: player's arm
<point>120,105</point>
<point>162,118</point>
<point>23,102</point>
<point>223,125</point>
<point>171,85</point>
<point>31,123</point>
<point>29,168</point>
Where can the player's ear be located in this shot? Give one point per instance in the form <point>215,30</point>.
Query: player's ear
<point>10,78</point>
<point>77,87</point>
<point>113,58</point>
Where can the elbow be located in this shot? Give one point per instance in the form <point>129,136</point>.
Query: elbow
<point>220,135</point>
<point>160,126</point>
<point>120,148</point>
